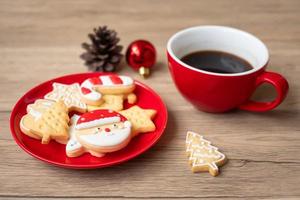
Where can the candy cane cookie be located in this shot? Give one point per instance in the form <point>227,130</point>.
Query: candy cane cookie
<point>92,89</point>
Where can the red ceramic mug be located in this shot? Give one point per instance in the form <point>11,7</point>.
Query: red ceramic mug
<point>217,92</point>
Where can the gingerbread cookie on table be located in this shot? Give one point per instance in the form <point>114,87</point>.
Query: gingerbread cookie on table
<point>202,155</point>
<point>94,89</point>
<point>99,132</point>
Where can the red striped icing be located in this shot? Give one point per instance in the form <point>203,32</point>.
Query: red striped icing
<point>85,90</point>
<point>116,79</point>
<point>96,81</point>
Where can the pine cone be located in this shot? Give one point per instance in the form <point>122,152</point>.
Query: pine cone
<point>104,54</point>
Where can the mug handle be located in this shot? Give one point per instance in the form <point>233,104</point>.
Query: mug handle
<point>281,85</point>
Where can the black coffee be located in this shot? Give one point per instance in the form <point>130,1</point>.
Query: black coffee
<point>217,61</point>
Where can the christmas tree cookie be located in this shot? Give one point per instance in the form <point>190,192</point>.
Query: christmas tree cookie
<point>46,120</point>
<point>202,155</point>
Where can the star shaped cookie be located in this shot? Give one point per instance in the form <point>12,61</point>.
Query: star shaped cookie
<point>70,94</point>
<point>140,118</point>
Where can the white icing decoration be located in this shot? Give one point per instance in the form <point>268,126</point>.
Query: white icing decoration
<point>126,80</point>
<point>36,114</point>
<point>47,103</point>
<point>42,104</point>
<point>106,81</point>
<point>73,144</point>
<point>70,94</point>
<point>87,84</point>
<point>93,95</point>
<point>107,139</point>
<point>98,122</point>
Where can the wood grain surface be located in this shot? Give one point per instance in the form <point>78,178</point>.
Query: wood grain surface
<point>40,40</point>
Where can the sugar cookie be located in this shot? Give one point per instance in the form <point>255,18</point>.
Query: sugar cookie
<point>70,94</point>
<point>92,89</point>
<point>34,111</point>
<point>140,118</point>
<point>101,131</point>
<point>202,155</point>
<point>46,120</point>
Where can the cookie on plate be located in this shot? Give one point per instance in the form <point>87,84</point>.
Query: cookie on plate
<point>99,132</point>
<point>46,122</point>
<point>69,94</point>
<point>93,89</point>
<point>140,118</point>
<point>34,111</point>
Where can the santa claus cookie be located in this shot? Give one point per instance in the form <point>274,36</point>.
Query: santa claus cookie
<point>99,132</point>
<point>93,89</point>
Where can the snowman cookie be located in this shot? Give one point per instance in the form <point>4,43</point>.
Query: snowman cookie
<point>93,89</point>
<point>99,132</point>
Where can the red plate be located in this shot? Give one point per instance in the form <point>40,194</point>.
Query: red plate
<point>54,153</point>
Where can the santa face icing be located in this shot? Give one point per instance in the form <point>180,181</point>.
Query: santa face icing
<point>107,136</point>
<point>103,131</point>
<point>91,87</point>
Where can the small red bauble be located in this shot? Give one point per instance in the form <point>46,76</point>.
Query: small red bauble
<point>141,56</point>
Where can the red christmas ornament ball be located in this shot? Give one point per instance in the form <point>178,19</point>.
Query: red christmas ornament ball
<point>141,56</point>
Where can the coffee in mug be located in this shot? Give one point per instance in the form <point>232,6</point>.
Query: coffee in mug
<point>218,68</point>
<point>217,62</point>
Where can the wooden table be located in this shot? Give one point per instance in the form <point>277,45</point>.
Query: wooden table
<point>40,40</point>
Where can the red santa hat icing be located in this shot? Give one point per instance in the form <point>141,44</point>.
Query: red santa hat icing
<point>99,118</point>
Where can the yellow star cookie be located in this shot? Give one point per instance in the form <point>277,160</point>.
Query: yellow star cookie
<point>202,155</point>
<point>70,94</point>
<point>140,118</point>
